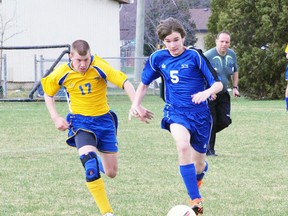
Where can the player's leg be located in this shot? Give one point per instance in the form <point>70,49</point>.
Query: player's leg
<point>200,132</point>
<point>108,145</point>
<point>200,175</point>
<point>286,97</point>
<point>86,145</point>
<point>198,140</point>
<point>182,137</point>
<point>110,163</point>
<point>201,168</point>
<point>286,92</point>
<point>187,168</point>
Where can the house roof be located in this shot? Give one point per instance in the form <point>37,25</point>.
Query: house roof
<point>128,20</point>
<point>200,17</point>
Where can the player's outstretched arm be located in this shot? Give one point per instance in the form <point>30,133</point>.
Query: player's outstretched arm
<point>137,110</point>
<point>129,89</point>
<point>60,122</point>
<point>204,95</point>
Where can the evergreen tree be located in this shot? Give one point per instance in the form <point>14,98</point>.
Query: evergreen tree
<point>259,34</point>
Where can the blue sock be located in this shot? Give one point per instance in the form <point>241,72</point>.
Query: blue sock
<point>188,173</point>
<point>201,176</point>
<point>100,164</point>
<point>287,103</point>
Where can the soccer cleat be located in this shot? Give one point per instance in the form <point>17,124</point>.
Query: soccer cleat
<point>197,205</point>
<point>109,214</point>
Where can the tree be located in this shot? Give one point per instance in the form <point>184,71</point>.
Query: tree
<point>254,24</point>
<point>157,10</point>
<point>4,36</point>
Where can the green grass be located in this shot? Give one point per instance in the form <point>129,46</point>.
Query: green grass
<point>41,175</point>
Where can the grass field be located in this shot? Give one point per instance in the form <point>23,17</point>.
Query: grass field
<point>41,175</point>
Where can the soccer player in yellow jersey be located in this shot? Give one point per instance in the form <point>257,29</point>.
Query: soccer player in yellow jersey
<point>286,77</point>
<point>92,125</point>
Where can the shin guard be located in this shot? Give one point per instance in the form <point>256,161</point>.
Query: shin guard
<point>90,163</point>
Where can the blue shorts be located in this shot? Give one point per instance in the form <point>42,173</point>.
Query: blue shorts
<point>198,123</point>
<point>103,127</point>
<point>286,76</point>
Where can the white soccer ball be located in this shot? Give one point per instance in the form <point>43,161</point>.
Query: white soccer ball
<point>181,210</point>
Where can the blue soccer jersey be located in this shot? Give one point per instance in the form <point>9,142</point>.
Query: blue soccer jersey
<point>183,76</point>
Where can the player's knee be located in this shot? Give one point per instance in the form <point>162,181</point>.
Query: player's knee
<point>90,164</point>
<point>183,149</point>
<point>112,172</point>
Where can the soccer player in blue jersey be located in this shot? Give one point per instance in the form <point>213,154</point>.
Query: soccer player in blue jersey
<point>188,82</point>
<point>286,77</point>
<point>92,125</point>
<point>224,61</point>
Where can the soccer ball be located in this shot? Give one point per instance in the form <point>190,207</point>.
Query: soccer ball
<point>181,210</point>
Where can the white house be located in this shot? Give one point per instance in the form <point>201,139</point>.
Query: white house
<point>56,22</point>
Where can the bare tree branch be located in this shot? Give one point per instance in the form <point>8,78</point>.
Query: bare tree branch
<point>5,25</point>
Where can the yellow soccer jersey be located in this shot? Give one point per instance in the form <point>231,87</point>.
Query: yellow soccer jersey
<point>286,50</point>
<point>86,92</point>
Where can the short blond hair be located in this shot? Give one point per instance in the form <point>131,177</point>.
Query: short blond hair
<point>81,47</point>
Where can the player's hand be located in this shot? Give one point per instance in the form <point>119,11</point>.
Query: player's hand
<point>133,113</point>
<point>147,116</point>
<point>60,123</point>
<point>142,113</point>
<point>213,97</point>
<point>200,97</point>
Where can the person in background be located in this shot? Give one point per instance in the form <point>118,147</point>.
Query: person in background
<point>188,82</point>
<point>92,125</point>
<point>224,61</point>
<point>286,78</point>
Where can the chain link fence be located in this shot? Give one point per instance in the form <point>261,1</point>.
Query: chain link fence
<point>24,84</point>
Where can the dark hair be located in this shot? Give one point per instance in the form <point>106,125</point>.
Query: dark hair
<point>81,47</point>
<point>223,32</point>
<point>167,26</point>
